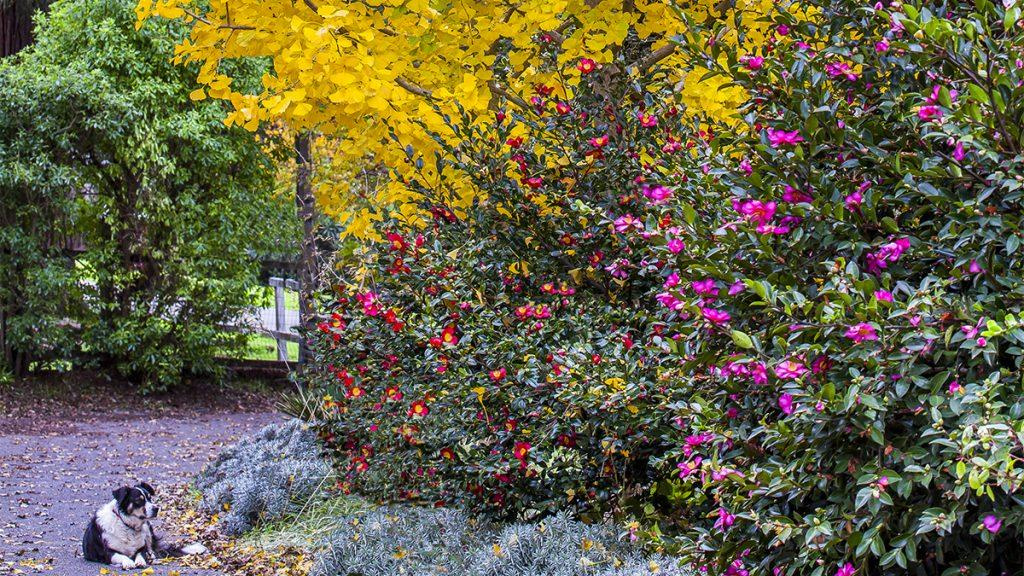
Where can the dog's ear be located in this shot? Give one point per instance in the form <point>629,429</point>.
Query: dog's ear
<point>121,494</point>
<point>145,486</point>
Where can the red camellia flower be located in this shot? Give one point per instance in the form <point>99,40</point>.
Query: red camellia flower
<point>398,244</point>
<point>599,142</point>
<point>448,454</point>
<point>534,182</point>
<point>360,464</point>
<point>448,336</point>
<point>563,108</point>
<point>521,451</point>
<point>392,393</point>
<point>497,375</point>
<point>419,409</point>
<point>345,377</point>
<point>586,65</point>
<point>356,392</point>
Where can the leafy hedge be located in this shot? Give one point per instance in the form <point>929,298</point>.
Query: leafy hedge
<point>788,345</point>
<point>130,216</point>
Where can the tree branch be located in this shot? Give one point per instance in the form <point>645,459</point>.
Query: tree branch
<point>653,58</point>
<point>206,21</point>
<point>496,89</point>
<point>414,88</point>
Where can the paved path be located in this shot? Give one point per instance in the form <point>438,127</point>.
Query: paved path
<point>54,475</point>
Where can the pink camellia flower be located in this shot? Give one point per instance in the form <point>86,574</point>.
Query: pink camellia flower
<point>861,332</point>
<point>725,519</point>
<point>992,523</point>
<point>786,404</point>
<point>688,468</point>
<point>821,364</point>
<point>975,268</point>
<point>882,46</point>
<point>647,120</point>
<point>753,62</point>
<point>657,194</point>
<point>737,287</point>
<point>783,138</point>
<point>955,387</point>
<point>745,167</point>
<point>886,253</point>
<point>705,287</point>
<point>846,570</point>
<point>672,280</point>
<point>835,69</point>
<point>929,112</point>
<point>676,246</point>
<point>795,196</point>
<point>669,300</point>
<point>759,373</point>
<point>883,295</point>
<point>755,210</point>
<point>714,316</point>
<point>782,29</point>
<point>370,302</point>
<point>959,152</point>
<point>790,369</point>
<point>982,342</point>
<point>624,223</point>
<point>854,200</point>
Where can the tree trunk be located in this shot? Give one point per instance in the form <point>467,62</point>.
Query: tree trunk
<point>306,204</point>
<point>16,24</point>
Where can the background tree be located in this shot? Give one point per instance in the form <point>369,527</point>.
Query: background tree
<point>171,205</point>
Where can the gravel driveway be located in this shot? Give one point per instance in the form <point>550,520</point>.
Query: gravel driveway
<point>59,463</point>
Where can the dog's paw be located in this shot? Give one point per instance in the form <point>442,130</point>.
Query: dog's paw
<point>127,564</point>
<point>140,562</point>
<point>193,549</point>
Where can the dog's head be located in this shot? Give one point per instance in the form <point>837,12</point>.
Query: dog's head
<point>137,501</point>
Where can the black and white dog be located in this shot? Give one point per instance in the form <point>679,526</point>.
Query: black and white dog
<point>120,532</point>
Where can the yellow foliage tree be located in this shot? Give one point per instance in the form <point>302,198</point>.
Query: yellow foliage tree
<point>382,74</point>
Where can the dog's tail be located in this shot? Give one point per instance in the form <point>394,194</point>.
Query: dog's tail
<point>177,551</point>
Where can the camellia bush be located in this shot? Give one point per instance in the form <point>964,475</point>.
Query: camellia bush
<point>788,344</point>
<point>780,341</point>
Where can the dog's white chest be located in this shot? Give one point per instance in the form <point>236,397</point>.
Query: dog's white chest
<point>118,535</point>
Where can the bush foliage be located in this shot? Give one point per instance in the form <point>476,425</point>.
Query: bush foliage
<point>427,542</point>
<point>264,478</point>
<point>789,344</point>
<point>128,213</point>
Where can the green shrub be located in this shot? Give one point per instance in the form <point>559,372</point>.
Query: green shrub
<point>791,345</point>
<point>101,149</point>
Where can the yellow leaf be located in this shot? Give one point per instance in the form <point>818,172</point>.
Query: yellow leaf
<point>197,94</point>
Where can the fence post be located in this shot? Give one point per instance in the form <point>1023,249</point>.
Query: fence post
<point>279,318</point>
